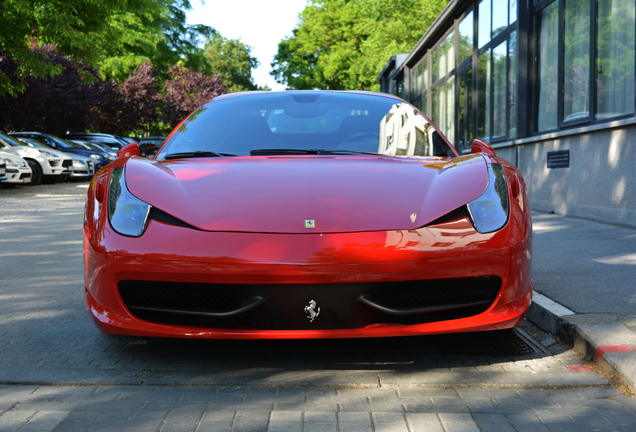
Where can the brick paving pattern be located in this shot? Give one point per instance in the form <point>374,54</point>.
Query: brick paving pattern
<point>309,409</point>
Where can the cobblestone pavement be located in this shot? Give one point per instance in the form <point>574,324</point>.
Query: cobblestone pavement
<point>448,383</point>
<point>175,408</point>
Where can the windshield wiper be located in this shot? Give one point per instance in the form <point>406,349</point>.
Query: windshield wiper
<point>195,154</point>
<point>266,152</point>
<point>343,151</point>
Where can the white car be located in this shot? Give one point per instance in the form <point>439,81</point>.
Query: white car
<point>18,170</point>
<point>46,164</point>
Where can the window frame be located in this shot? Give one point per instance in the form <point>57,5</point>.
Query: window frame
<point>588,120</point>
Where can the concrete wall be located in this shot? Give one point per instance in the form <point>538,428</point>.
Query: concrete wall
<point>600,183</point>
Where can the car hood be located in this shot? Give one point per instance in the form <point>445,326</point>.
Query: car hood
<point>34,152</point>
<point>277,194</point>
<point>13,157</point>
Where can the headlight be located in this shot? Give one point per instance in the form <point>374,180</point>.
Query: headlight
<point>45,153</point>
<point>489,212</point>
<point>128,215</point>
<point>96,157</point>
<point>11,163</point>
<point>23,163</point>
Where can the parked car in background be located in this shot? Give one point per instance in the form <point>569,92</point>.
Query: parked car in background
<point>17,172</point>
<point>83,166</point>
<point>96,146</point>
<point>46,164</point>
<point>113,141</point>
<point>150,145</point>
<point>3,169</point>
<point>100,158</point>
<point>129,140</point>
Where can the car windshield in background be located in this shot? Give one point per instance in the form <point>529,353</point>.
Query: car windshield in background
<point>11,140</point>
<point>66,144</point>
<point>31,142</point>
<point>305,123</point>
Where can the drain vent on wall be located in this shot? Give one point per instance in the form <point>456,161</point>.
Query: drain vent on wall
<point>559,159</point>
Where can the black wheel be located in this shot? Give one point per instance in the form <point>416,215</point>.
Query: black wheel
<point>36,172</point>
<point>62,179</point>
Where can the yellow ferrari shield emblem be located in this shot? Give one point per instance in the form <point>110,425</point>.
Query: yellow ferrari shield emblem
<point>310,223</point>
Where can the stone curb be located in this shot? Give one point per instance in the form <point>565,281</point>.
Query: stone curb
<point>604,337</point>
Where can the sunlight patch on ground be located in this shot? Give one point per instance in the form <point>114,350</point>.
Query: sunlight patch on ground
<point>540,227</point>
<point>626,259</point>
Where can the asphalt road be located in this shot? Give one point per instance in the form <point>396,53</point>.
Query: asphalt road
<point>600,273</point>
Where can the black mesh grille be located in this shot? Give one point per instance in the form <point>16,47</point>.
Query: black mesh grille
<point>439,292</point>
<point>419,301</point>
<point>177,296</point>
<point>67,163</point>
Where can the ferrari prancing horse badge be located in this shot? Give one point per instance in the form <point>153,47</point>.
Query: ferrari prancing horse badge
<point>311,310</point>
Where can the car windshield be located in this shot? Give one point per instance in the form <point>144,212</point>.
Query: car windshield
<point>64,143</point>
<point>11,140</point>
<point>308,122</point>
<point>31,142</point>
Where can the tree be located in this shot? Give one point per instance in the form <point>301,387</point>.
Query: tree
<point>343,44</point>
<point>186,90</point>
<point>78,30</point>
<point>57,103</point>
<point>117,36</point>
<point>158,35</point>
<point>232,60</point>
<point>142,98</point>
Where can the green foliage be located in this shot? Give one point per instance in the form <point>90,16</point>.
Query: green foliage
<point>157,34</point>
<point>232,60</point>
<point>118,36</point>
<point>343,44</point>
<point>77,29</point>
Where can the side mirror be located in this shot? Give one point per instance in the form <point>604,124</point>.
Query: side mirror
<point>129,150</point>
<point>481,147</point>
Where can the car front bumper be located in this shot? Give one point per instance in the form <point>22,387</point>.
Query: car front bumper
<point>83,169</point>
<point>400,270</point>
<point>18,175</point>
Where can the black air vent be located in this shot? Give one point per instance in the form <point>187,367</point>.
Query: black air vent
<point>559,159</point>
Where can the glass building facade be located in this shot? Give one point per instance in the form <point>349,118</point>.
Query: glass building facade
<point>548,83</point>
<point>480,72</point>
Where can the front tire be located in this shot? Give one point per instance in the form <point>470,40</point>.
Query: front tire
<point>36,172</point>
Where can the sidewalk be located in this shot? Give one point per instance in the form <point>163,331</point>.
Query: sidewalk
<point>585,288</point>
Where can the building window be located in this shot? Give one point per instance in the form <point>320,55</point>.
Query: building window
<point>484,95</point>
<point>483,26</point>
<point>576,60</point>
<point>591,46</point>
<point>499,84</point>
<point>465,129</point>
<point>615,37</point>
<point>512,85</point>
<point>546,67</point>
<point>499,17</point>
<point>466,37</point>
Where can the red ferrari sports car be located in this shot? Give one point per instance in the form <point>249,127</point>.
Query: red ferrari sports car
<point>307,214</point>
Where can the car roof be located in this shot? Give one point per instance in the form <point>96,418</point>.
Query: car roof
<point>260,93</point>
